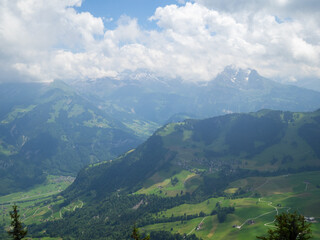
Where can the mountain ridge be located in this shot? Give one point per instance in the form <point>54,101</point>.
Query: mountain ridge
<point>264,142</point>
<point>56,132</point>
<point>233,90</point>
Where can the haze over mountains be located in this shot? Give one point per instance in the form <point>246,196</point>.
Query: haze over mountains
<point>138,134</point>
<point>190,119</point>
<point>56,128</point>
<point>147,98</point>
<point>50,129</point>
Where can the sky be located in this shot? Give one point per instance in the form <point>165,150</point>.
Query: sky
<point>194,40</point>
<point>111,10</point>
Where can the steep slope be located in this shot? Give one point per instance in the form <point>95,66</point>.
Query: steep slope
<point>51,129</point>
<point>215,151</point>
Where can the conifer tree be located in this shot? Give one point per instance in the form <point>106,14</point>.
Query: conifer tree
<point>289,226</point>
<point>136,236</point>
<point>17,232</point>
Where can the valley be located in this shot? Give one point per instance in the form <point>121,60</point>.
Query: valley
<point>261,199</point>
<point>53,131</point>
<point>159,120</point>
<point>216,178</point>
<point>90,161</point>
<point>38,204</point>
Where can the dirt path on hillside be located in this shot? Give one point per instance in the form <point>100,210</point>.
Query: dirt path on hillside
<point>276,209</point>
<point>197,226</point>
<point>307,184</point>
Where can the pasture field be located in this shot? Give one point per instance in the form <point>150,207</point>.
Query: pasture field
<point>253,215</point>
<point>170,187</point>
<point>264,198</point>
<point>39,204</point>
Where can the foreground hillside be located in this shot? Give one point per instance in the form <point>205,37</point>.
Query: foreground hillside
<point>214,151</point>
<point>255,208</point>
<point>235,170</point>
<point>49,128</point>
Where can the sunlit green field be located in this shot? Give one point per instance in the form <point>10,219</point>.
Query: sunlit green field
<point>40,204</point>
<point>266,197</point>
<point>288,193</point>
<point>171,188</point>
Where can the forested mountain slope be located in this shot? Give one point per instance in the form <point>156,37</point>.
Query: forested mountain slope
<point>60,128</point>
<point>49,128</point>
<point>179,177</point>
<point>231,146</point>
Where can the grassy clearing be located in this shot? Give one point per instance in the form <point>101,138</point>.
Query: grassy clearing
<point>53,185</point>
<point>17,113</point>
<point>39,204</point>
<point>190,209</point>
<point>298,192</point>
<point>75,111</point>
<point>7,149</point>
<point>170,186</point>
<point>142,128</point>
<point>60,105</point>
<point>96,121</point>
<point>169,128</point>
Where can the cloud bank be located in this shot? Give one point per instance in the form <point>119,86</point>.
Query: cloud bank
<point>45,40</point>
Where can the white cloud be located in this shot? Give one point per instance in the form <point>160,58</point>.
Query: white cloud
<point>216,39</point>
<point>34,32</point>
<point>282,7</point>
<point>46,40</point>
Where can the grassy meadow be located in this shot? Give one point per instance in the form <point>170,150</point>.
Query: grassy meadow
<point>254,214</point>
<point>39,204</point>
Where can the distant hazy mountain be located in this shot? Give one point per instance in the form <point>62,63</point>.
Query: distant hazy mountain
<point>309,83</point>
<point>57,128</point>
<point>49,128</point>
<point>145,102</point>
<point>218,150</point>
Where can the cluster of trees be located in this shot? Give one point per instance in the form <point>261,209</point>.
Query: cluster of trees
<point>127,172</point>
<point>185,217</point>
<point>161,235</point>
<point>164,235</point>
<point>222,212</point>
<point>136,235</point>
<point>110,218</point>
<point>174,181</point>
<point>288,226</point>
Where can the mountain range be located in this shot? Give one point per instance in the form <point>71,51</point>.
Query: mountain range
<point>58,128</point>
<point>146,102</point>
